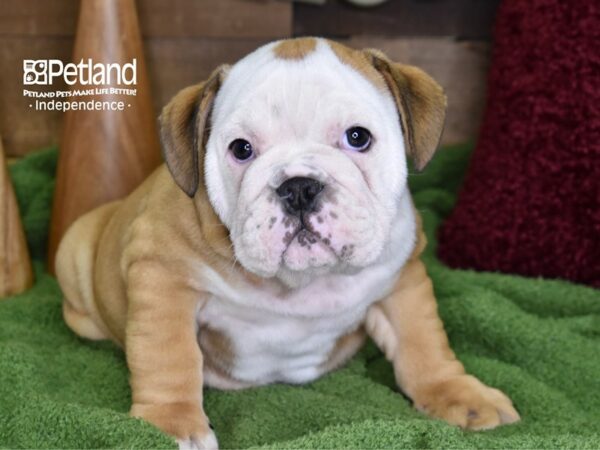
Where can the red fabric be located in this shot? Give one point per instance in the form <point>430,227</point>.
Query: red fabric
<point>530,203</point>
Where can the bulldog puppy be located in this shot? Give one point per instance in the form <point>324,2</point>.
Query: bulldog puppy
<point>277,236</point>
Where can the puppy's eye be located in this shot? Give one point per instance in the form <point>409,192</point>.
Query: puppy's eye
<point>357,139</point>
<point>241,149</point>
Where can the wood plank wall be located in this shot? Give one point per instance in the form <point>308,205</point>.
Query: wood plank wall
<point>185,39</point>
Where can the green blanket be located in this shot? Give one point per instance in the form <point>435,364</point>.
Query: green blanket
<point>538,340</point>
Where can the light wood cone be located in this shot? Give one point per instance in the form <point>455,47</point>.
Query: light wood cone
<point>104,155</point>
<point>15,265</point>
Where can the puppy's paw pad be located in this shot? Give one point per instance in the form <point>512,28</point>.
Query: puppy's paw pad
<point>206,442</point>
<point>467,402</point>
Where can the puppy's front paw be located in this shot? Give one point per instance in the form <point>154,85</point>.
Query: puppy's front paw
<point>467,402</point>
<point>206,442</point>
<point>184,421</point>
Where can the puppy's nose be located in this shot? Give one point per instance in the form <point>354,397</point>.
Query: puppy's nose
<point>299,194</point>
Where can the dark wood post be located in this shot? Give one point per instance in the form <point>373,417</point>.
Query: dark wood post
<point>104,154</point>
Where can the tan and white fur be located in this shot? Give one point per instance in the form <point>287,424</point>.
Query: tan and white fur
<point>205,279</point>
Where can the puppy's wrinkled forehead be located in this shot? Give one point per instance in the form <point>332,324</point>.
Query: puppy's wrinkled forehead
<point>292,73</point>
<point>298,49</point>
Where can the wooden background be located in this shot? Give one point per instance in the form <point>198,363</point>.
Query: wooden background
<point>185,39</point>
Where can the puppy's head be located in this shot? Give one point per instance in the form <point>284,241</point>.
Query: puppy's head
<point>302,149</point>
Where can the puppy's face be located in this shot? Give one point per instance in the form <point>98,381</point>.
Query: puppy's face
<point>305,155</point>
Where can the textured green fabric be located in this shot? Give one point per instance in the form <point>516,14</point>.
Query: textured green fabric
<point>538,340</point>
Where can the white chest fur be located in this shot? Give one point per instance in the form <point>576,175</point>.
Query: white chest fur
<point>288,336</point>
<point>270,347</point>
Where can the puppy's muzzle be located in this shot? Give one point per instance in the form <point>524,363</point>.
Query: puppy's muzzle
<point>299,195</point>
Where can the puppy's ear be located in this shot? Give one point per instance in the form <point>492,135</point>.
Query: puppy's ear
<point>184,129</point>
<point>421,104</point>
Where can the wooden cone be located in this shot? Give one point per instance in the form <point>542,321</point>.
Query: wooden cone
<point>104,155</point>
<point>15,265</point>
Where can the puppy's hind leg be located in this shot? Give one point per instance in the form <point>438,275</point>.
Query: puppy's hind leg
<point>75,261</point>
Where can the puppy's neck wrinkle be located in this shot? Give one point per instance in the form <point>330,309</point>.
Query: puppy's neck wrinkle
<point>215,233</point>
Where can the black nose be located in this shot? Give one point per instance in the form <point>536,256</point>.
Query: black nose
<point>299,194</point>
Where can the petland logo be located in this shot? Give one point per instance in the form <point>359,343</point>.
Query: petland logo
<point>44,71</point>
<point>91,86</point>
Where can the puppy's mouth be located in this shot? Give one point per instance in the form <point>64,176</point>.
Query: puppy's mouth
<point>303,232</point>
<point>306,249</point>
